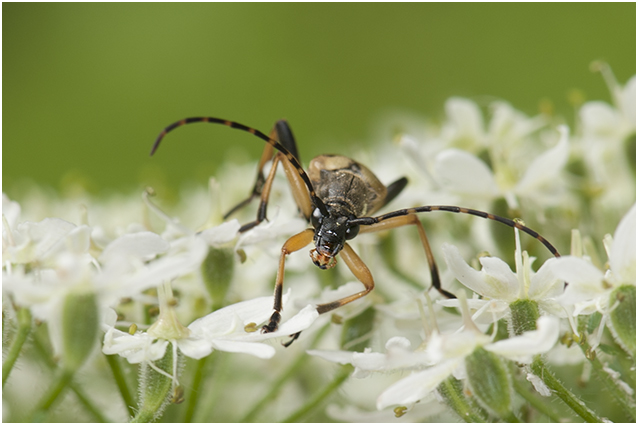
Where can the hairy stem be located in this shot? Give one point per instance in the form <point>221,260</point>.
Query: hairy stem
<point>24,328</point>
<point>539,369</point>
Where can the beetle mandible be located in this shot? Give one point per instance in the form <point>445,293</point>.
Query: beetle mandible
<point>337,196</point>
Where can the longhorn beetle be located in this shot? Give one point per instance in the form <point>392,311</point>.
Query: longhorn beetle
<point>337,196</point>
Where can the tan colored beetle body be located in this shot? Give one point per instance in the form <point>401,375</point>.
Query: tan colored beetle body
<point>339,180</point>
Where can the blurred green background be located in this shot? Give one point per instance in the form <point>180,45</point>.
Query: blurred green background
<point>87,87</point>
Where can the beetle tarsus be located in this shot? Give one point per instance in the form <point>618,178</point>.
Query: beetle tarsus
<point>273,324</point>
<point>293,339</point>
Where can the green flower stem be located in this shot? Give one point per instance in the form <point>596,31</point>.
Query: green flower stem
<point>193,396</point>
<point>120,380</point>
<point>59,385</point>
<point>279,383</point>
<point>24,328</point>
<point>523,389</point>
<point>621,396</point>
<point>275,388</point>
<point>344,373</point>
<point>452,392</point>
<point>539,369</point>
<point>88,404</point>
<point>45,356</point>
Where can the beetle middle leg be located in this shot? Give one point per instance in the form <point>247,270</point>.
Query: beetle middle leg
<point>411,219</point>
<point>262,186</point>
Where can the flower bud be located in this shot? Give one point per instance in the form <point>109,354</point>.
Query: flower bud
<point>524,316</point>
<point>217,272</point>
<point>79,328</point>
<point>156,389</point>
<point>490,382</point>
<point>355,335</point>
<point>623,317</point>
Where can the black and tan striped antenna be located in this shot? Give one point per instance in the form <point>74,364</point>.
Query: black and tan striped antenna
<point>232,124</point>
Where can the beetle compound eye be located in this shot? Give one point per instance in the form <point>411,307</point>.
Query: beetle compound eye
<point>352,232</point>
<point>315,218</point>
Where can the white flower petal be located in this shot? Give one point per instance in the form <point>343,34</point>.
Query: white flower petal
<point>10,210</point>
<point>462,172</point>
<point>335,356</point>
<point>495,281</point>
<point>416,386</point>
<point>539,385</point>
<point>522,348</point>
<point>600,120</point>
<point>462,271</point>
<point>622,258</point>
<point>503,282</point>
<point>466,118</point>
<point>627,103</point>
<point>299,322</point>
<point>195,348</point>
<point>229,319</point>
<point>184,256</point>
<point>545,168</point>
<point>142,245</point>
<point>584,281</point>
<point>257,349</point>
<point>219,235</point>
<point>135,348</point>
<point>545,284</point>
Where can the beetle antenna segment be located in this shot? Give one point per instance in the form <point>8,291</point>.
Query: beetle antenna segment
<point>366,221</point>
<point>232,124</point>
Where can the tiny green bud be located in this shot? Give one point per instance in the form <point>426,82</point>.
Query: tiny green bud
<point>178,395</point>
<point>132,329</point>
<point>623,317</point>
<point>79,328</point>
<point>524,316</point>
<point>490,382</point>
<point>217,271</point>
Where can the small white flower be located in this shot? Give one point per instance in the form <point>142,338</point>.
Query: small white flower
<point>224,330</point>
<point>499,286</point>
<point>463,173</point>
<point>451,351</point>
<point>588,287</point>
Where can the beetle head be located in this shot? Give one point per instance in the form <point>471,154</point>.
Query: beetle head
<point>331,233</point>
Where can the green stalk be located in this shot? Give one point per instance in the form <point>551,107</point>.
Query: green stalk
<point>63,380</point>
<point>279,383</point>
<point>539,369</point>
<point>24,328</point>
<point>536,402</point>
<point>621,396</point>
<point>193,395</point>
<point>275,388</point>
<point>120,380</point>
<point>45,355</point>
<point>450,389</point>
<point>319,397</point>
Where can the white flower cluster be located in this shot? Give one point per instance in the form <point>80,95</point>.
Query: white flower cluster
<point>131,257</point>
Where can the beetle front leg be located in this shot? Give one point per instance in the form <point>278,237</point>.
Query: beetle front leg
<point>295,243</point>
<point>360,271</point>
